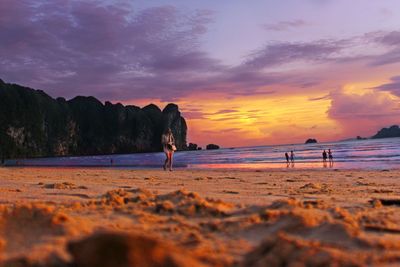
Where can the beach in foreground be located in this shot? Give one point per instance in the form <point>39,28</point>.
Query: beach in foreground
<point>109,217</point>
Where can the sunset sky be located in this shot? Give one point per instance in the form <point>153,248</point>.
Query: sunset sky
<point>243,72</point>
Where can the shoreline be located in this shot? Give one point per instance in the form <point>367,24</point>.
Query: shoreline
<point>370,154</point>
<point>224,167</point>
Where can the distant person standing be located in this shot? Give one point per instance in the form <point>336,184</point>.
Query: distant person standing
<point>287,157</point>
<point>330,157</point>
<point>324,156</point>
<point>168,143</point>
<point>292,156</point>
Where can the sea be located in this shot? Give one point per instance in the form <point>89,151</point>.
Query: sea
<point>380,154</point>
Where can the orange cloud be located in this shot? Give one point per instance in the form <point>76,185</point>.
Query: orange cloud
<point>362,111</point>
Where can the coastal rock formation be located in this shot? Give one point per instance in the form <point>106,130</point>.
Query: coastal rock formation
<point>311,141</point>
<point>33,124</point>
<point>393,131</point>
<point>192,146</point>
<point>212,146</point>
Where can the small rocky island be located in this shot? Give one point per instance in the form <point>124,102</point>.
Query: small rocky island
<point>311,141</point>
<point>193,147</point>
<point>212,146</point>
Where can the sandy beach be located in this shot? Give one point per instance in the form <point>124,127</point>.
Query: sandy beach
<point>199,133</point>
<point>111,217</point>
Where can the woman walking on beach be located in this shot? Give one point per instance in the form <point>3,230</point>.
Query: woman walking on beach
<point>168,142</point>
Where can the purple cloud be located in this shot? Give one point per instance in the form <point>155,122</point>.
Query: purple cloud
<point>225,111</point>
<point>393,86</point>
<point>103,49</point>
<point>193,115</point>
<point>325,97</point>
<point>391,57</point>
<point>114,51</point>
<point>281,53</point>
<point>285,25</point>
<point>388,38</point>
<point>117,52</point>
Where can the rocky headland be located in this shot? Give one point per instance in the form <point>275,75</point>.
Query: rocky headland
<point>33,124</point>
<point>393,131</point>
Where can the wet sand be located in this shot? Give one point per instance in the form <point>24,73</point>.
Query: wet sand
<point>109,217</point>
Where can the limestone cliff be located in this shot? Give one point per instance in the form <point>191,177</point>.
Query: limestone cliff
<point>32,124</point>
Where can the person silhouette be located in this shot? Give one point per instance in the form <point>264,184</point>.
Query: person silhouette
<point>168,143</point>
<point>287,157</point>
<point>330,157</point>
<point>292,156</point>
<point>324,156</point>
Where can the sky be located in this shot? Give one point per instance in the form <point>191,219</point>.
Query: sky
<point>243,73</point>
